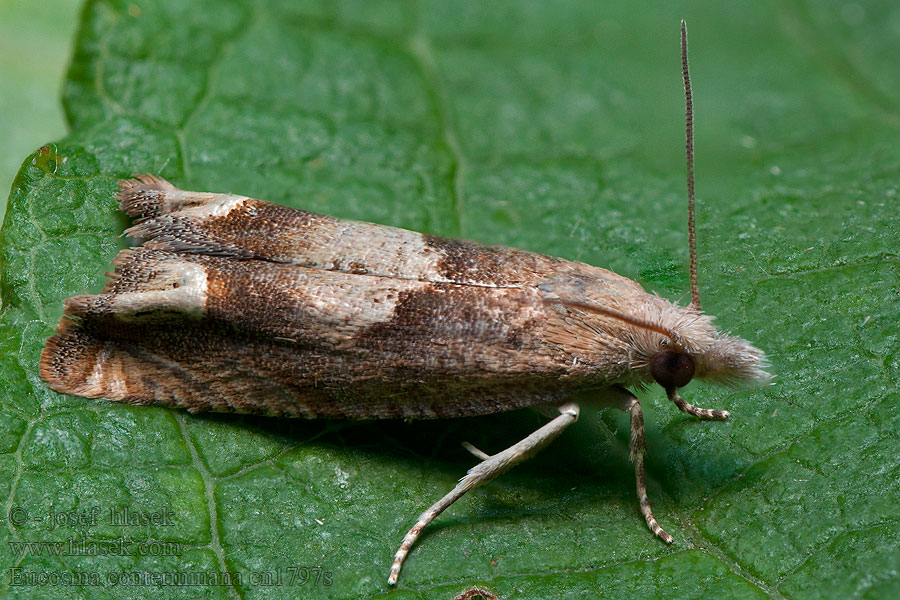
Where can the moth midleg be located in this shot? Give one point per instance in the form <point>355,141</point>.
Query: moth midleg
<point>475,451</point>
<point>638,444</point>
<point>702,413</point>
<point>484,471</point>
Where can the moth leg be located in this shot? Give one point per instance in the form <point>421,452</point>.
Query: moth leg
<point>632,406</point>
<point>702,413</point>
<point>475,451</point>
<point>484,471</point>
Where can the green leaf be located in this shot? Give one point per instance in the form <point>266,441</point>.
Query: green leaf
<point>35,38</point>
<point>551,126</point>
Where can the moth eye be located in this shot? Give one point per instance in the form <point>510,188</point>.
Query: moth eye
<point>672,369</point>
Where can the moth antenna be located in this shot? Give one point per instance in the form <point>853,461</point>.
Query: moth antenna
<point>689,151</point>
<point>609,312</point>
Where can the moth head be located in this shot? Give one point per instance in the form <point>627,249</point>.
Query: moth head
<point>684,344</point>
<point>663,342</point>
<point>671,369</point>
<point>711,355</point>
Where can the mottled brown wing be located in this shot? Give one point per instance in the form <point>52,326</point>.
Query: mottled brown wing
<point>202,367</point>
<point>235,304</point>
<point>237,226</point>
<point>214,333</point>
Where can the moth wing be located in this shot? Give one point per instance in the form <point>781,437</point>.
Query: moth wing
<point>214,333</point>
<point>236,226</point>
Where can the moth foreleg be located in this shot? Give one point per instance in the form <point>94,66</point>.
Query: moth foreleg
<point>638,445</point>
<point>702,413</point>
<point>484,471</point>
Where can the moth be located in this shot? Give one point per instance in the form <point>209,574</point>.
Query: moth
<point>233,304</point>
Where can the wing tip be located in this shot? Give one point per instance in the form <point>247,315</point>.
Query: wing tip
<point>143,195</point>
